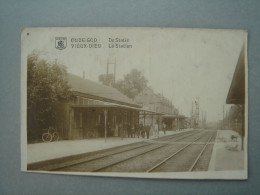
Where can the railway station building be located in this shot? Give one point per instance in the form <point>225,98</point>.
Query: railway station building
<point>98,110</point>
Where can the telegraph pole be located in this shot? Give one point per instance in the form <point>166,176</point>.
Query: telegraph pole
<point>107,67</point>
<point>205,119</point>
<point>223,124</point>
<point>105,113</point>
<point>195,114</point>
<point>219,125</point>
<point>192,118</point>
<point>192,108</point>
<point>197,104</point>
<point>113,63</point>
<point>115,72</point>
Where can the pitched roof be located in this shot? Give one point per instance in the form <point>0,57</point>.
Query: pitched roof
<point>98,91</point>
<point>236,94</point>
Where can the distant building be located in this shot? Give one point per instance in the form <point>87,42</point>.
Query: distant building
<point>155,102</point>
<point>158,103</point>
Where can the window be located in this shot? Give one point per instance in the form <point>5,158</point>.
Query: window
<point>80,100</point>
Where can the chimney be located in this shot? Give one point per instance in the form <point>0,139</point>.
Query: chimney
<point>83,74</point>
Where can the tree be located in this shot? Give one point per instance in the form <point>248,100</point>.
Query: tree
<point>47,86</point>
<point>132,84</point>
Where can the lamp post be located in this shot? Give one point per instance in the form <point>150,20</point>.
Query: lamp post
<point>105,113</point>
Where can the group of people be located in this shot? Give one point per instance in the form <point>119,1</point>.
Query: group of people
<point>140,130</point>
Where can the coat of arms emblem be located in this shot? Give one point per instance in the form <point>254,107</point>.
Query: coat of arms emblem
<point>60,43</point>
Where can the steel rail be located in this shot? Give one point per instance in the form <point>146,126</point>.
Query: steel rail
<point>112,164</point>
<point>185,134</point>
<point>175,153</point>
<point>198,157</point>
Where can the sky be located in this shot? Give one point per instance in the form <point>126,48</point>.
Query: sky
<point>182,64</point>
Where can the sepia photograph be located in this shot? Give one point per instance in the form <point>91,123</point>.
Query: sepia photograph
<point>166,103</point>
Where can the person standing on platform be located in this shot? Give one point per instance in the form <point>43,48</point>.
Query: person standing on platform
<point>151,129</point>
<point>137,132</point>
<point>156,130</point>
<point>164,128</point>
<point>133,131</point>
<point>129,130</point>
<point>147,131</point>
<point>142,130</point>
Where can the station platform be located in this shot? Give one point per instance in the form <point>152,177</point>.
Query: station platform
<point>227,154</point>
<point>38,152</point>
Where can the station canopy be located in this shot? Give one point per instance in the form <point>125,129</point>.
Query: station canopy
<point>112,105</point>
<point>236,94</point>
<point>173,116</point>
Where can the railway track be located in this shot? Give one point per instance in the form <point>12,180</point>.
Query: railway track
<point>56,164</point>
<point>203,160</point>
<point>187,158</point>
<point>107,162</point>
<point>195,163</point>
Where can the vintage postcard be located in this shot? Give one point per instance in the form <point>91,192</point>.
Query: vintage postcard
<point>134,102</point>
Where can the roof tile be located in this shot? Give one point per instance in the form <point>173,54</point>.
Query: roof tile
<point>88,87</point>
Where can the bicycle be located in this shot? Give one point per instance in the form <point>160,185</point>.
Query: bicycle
<point>50,135</point>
